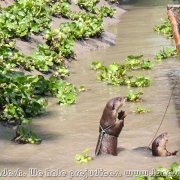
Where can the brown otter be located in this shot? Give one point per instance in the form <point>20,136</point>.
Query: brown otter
<point>111,124</point>
<point>159,146</point>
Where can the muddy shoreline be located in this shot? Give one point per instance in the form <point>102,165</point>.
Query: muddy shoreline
<point>107,39</point>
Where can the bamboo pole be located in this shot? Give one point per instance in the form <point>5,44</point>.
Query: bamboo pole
<point>174,25</point>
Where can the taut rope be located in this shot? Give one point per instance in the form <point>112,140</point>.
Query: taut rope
<point>164,113</point>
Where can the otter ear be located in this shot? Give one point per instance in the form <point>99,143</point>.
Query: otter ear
<point>157,144</point>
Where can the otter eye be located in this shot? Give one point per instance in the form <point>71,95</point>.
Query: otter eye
<point>157,144</point>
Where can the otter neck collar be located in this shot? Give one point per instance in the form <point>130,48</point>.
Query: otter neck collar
<point>104,131</point>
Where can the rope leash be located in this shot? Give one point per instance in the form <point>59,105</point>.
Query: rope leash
<point>164,113</point>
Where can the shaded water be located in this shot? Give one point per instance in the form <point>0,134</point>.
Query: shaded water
<point>70,129</point>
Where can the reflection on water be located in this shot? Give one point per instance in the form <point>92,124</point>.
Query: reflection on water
<point>70,129</point>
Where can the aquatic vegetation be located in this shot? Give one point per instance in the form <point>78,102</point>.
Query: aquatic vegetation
<point>64,91</point>
<point>117,74</point>
<point>24,17</point>
<point>139,81</point>
<point>114,74</point>
<point>83,158</point>
<point>147,64</point>
<point>163,173</point>
<point>134,96</point>
<point>96,65</point>
<point>62,40</point>
<point>166,53</point>
<point>106,11</point>
<point>26,135</point>
<point>164,28</point>
<point>42,59</point>
<point>61,8</point>
<point>82,89</point>
<point>88,5</point>
<point>84,25</point>
<point>22,97</point>
<point>134,62</point>
<point>141,110</point>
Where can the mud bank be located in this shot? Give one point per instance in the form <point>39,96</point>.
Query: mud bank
<point>107,39</point>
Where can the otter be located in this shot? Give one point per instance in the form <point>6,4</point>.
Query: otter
<point>159,146</point>
<point>111,124</point>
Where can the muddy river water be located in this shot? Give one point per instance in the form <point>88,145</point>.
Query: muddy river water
<point>69,130</point>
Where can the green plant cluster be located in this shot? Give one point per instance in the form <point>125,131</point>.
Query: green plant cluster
<point>61,8</point>
<point>21,96</point>
<point>141,110</point>
<point>90,6</point>
<point>135,62</point>
<point>62,40</point>
<point>164,28</point>
<point>42,59</point>
<point>166,53</point>
<point>19,20</point>
<point>83,158</point>
<point>161,173</point>
<point>133,96</point>
<point>106,11</point>
<point>23,18</point>
<point>25,134</point>
<point>117,74</point>
<point>84,25</point>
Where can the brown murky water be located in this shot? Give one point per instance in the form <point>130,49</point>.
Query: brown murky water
<point>70,129</point>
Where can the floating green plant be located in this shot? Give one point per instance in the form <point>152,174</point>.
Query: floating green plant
<point>134,96</point>
<point>116,74</point>
<point>82,89</point>
<point>134,62</point>
<point>164,28</point>
<point>25,135</point>
<point>141,110</point>
<point>23,96</point>
<point>163,173</point>
<point>166,53</point>
<point>96,65</point>
<point>83,158</point>
<point>139,81</point>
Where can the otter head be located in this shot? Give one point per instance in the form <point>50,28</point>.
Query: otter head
<point>163,139</point>
<point>160,141</point>
<point>112,111</point>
